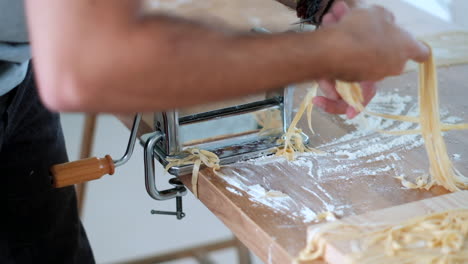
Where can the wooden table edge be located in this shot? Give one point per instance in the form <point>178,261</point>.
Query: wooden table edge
<point>249,234</point>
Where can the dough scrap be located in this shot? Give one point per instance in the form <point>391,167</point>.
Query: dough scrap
<point>437,238</point>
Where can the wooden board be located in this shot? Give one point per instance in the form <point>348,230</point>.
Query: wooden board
<point>336,252</point>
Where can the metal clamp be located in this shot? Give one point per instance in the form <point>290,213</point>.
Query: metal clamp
<point>150,179</point>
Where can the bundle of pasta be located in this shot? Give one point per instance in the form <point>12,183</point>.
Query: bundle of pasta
<point>292,140</point>
<point>441,168</point>
<point>438,238</point>
<point>196,157</point>
<point>271,122</point>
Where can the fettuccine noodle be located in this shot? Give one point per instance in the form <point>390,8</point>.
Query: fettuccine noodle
<point>196,157</point>
<point>292,140</point>
<point>271,122</point>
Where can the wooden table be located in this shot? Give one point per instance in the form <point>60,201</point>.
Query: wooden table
<point>277,235</point>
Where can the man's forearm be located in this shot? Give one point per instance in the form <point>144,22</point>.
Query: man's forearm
<point>100,57</point>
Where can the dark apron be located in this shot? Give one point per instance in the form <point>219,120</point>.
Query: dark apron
<point>39,224</point>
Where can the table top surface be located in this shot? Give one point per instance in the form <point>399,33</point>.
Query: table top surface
<point>354,177</point>
<point>357,173</point>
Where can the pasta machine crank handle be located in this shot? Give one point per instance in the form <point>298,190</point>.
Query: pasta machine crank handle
<point>84,170</point>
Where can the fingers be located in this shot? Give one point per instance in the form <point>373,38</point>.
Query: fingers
<point>329,90</point>
<point>384,13</point>
<point>339,9</point>
<point>336,107</point>
<point>328,19</point>
<point>333,104</point>
<point>369,89</point>
<point>416,50</point>
<point>419,51</point>
<point>351,112</point>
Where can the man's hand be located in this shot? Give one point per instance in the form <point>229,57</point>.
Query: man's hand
<point>332,103</point>
<point>373,47</point>
<point>368,45</point>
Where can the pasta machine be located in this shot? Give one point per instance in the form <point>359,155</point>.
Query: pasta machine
<point>173,133</point>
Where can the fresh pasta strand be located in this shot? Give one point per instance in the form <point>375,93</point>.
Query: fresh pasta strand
<point>196,157</point>
<point>271,122</point>
<point>437,238</point>
<point>292,140</point>
<point>441,167</point>
<point>445,128</point>
<point>352,95</point>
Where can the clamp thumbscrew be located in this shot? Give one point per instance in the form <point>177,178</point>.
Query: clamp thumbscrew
<point>179,213</point>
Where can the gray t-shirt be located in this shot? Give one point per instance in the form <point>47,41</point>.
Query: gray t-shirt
<point>14,47</point>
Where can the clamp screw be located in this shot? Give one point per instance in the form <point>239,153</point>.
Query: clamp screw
<point>179,210</point>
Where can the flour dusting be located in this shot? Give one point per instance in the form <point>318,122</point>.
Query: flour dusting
<point>234,191</point>
<point>360,156</point>
<point>273,199</point>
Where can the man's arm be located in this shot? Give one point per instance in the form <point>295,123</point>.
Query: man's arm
<point>104,56</point>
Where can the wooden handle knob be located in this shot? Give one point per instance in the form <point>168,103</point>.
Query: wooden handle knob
<point>81,171</point>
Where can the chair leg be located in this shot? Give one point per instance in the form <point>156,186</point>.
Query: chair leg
<point>243,253</point>
<point>200,253</point>
<point>203,258</point>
